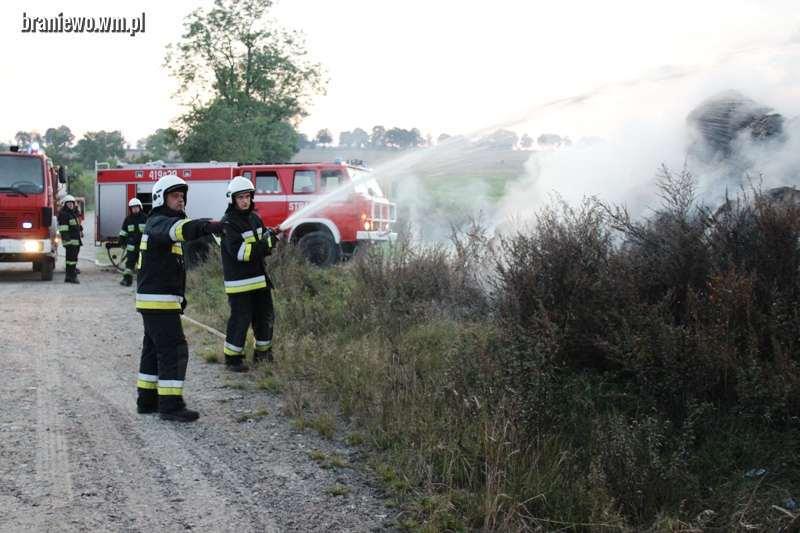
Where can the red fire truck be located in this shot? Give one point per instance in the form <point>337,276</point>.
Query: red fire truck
<point>29,191</point>
<point>327,209</point>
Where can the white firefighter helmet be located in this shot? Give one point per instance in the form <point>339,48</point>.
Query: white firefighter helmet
<point>67,198</point>
<point>237,185</point>
<point>166,185</point>
<point>135,203</point>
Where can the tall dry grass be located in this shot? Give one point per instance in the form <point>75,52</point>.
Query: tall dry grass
<point>587,372</point>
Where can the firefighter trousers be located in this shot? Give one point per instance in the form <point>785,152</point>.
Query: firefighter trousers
<point>162,368</point>
<point>131,257</point>
<point>254,309</point>
<point>72,260</point>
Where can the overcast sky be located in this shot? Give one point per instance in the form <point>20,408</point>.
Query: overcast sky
<point>441,66</point>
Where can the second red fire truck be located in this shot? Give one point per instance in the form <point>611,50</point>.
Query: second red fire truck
<point>327,209</point>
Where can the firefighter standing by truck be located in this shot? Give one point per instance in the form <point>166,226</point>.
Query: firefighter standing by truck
<point>160,288</point>
<point>129,237</point>
<point>245,243</point>
<point>71,231</point>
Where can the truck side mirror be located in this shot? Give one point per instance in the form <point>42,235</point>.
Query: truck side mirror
<point>62,174</point>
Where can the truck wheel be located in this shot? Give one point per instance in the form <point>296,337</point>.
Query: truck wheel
<point>46,267</point>
<point>319,248</point>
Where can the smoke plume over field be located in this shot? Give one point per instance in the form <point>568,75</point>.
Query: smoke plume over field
<point>646,126</point>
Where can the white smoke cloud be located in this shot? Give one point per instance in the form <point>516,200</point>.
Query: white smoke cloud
<point>643,125</point>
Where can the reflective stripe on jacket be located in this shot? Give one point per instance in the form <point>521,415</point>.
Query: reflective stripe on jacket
<point>69,227</point>
<point>161,283</point>
<point>242,257</point>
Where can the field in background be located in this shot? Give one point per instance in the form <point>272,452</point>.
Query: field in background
<point>437,189</point>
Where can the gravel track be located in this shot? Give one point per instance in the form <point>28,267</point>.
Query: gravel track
<point>75,455</point>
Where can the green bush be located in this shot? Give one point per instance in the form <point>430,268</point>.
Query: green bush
<point>586,372</point>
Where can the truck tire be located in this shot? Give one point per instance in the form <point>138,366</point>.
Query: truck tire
<point>47,266</point>
<point>319,248</point>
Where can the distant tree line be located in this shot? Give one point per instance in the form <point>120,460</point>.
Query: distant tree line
<point>59,143</point>
<point>380,138</point>
<point>101,146</point>
<point>402,139</point>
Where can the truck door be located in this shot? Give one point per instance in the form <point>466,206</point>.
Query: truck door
<point>270,198</point>
<point>305,189</point>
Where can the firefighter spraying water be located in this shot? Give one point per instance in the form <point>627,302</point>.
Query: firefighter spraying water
<point>245,243</point>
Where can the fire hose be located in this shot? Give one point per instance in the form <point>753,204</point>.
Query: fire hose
<point>112,257</point>
<point>118,262</point>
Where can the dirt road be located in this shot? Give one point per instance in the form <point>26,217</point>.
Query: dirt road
<point>75,455</point>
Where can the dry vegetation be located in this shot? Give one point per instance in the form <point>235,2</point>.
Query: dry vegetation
<point>588,372</point>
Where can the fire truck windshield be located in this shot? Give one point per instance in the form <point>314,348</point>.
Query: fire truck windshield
<point>22,175</point>
<point>363,184</point>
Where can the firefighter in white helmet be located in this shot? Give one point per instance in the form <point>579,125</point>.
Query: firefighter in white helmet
<point>245,243</point>
<point>160,288</point>
<point>71,231</point>
<point>129,237</point>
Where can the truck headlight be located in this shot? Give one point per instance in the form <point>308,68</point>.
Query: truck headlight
<point>32,246</point>
<point>367,225</point>
<point>27,225</point>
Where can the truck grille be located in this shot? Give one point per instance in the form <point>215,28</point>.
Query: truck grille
<point>8,222</point>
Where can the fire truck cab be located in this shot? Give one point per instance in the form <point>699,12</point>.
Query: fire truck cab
<point>326,209</point>
<point>29,191</point>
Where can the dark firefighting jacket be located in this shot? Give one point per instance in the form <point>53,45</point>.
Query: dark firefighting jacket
<point>161,283</point>
<point>245,243</point>
<point>69,226</point>
<point>132,229</point>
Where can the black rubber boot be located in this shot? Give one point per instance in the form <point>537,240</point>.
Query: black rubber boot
<point>147,402</point>
<point>174,409</point>
<point>236,364</point>
<point>127,280</point>
<point>263,357</point>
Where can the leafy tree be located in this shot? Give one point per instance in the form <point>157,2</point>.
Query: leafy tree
<point>25,138</point>
<point>324,136</point>
<point>100,146</point>
<point>378,137</point>
<point>359,138</point>
<point>346,139</point>
<point>401,138</point>
<point>159,145</point>
<point>526,141</point>
<point>304,142</point>
<point>215,132</point>
<point>234,64</point>
<point>58,142</point>
<point>442,138</point>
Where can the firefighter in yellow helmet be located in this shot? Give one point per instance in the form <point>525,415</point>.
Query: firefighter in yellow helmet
<point>129,237</point>
<point>160,288</point>
<point>245,243</point>
<point>71,230</point>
